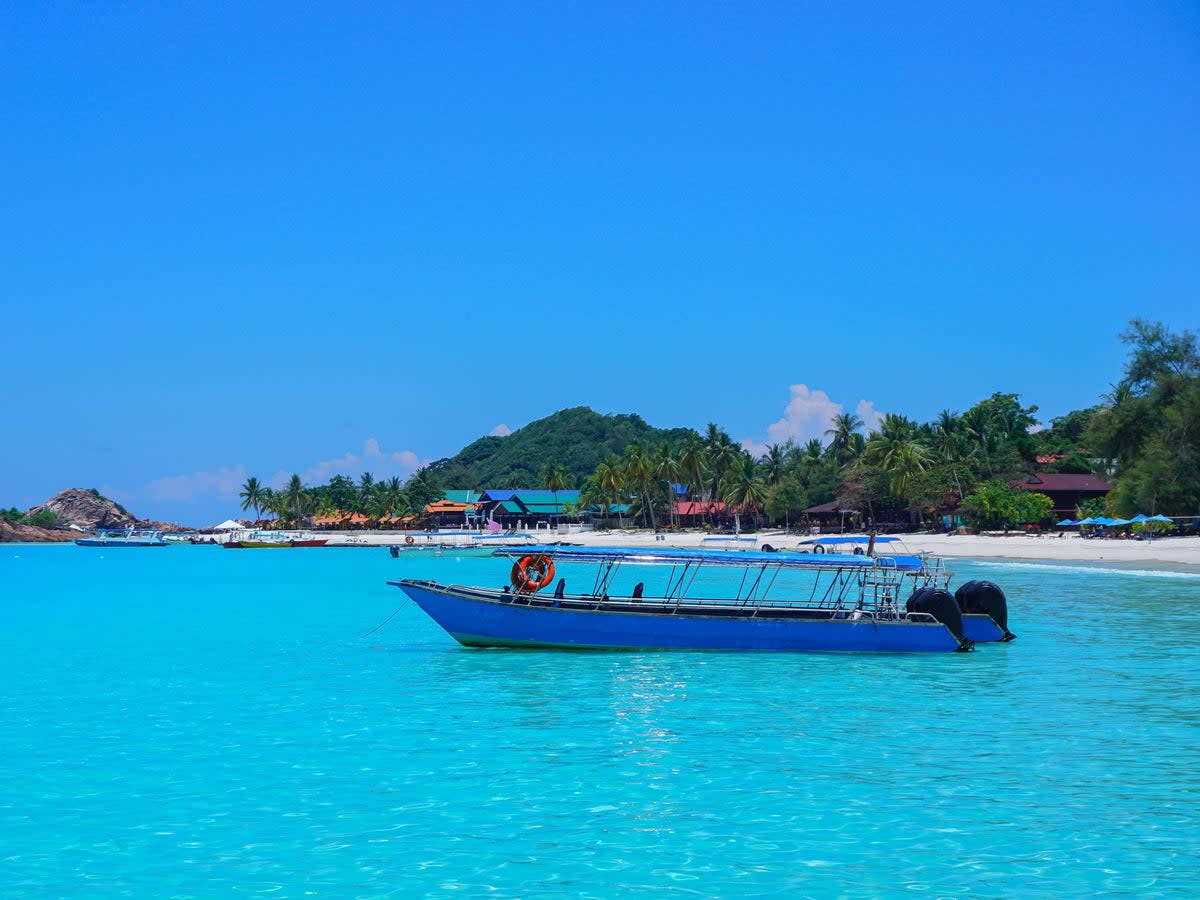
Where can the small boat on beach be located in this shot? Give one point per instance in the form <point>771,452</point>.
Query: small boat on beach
<point>271,540</point>
<point>123,537</point>
<point>853,603</point>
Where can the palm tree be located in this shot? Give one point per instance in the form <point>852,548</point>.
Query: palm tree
<point>666,468</point>
<point>743,489</point>
<point>554,478</point>
<point>691,463</point>
<point>294,495</point>
<point>253,493</point>
<point>902,459</point>
<point>844,425</point>
<point>639,475</point>
<point>721,458</point>
<point>609,482</point>
<point>773,463</point>
<point>366,491</point>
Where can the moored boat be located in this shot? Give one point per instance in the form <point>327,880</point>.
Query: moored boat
<point>860,609</point>
<point>123,537</point>
<point>269,540</point>
<point>983,605</point>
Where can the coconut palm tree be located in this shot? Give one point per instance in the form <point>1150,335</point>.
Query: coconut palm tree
<point>554,478</point>
<point>610,483</point>
<point>742,488</point>
<point>666,469</point>
<point>773,463</point>
<point>253,493</point>
<point>843,427</point>
<point>720,459</point>
<point>691,463</point>
<point>639,475</point>
<point>294,494</point>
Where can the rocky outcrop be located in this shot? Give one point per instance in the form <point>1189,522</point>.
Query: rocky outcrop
<point>10,533</point>
<point>85,508</point>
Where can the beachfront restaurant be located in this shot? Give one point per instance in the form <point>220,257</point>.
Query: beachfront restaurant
<point>1066,491</point>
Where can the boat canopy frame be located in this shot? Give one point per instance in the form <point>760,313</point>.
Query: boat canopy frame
<point>878,578</point>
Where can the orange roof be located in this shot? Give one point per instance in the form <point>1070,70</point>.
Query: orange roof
<point>339,517</point>
<point>448,506</point>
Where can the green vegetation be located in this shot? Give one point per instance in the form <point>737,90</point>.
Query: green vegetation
<point>44,518</point>
<point>577,439</point>
<point>13,516</point>
<point>1147,430</point>
<point>1144,434</point>
<point>996,504</point>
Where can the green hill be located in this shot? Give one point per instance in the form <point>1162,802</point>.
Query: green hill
<point>578,439</point>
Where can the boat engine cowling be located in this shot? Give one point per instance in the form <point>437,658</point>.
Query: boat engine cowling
<point>942,606</point>
<point>985,597</point>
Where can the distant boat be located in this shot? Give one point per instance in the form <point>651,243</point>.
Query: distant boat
<point>270,540</point>
<point>854,604</point>
<point>460,543</point>
<point>122,537</point>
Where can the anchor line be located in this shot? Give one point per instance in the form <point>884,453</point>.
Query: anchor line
<point>385,621</point>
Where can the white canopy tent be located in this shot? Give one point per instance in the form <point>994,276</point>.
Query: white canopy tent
<point>229,525</point>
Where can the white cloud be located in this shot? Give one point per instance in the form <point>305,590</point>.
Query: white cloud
<point>501,430</point>
<point>869,414</point>
<point>227,482</point>
<point>372,458</point>
<point>808,415</point>
<point>224,482</point>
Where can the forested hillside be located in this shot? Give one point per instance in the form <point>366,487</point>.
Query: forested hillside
<point>577,439</point>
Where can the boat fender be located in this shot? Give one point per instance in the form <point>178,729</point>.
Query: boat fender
<point>767,548</point>
<point>408,540</point>
<point>985,597</point>
<point>818,548</point>
<point>942,606</point>
<point>531,573</point>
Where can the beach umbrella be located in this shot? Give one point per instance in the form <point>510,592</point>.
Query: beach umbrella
<point>1139,518</point>
<point>1067,522</point>
<point>1088,521</point>
<point>1159,518</point>
<point>1119,522</point>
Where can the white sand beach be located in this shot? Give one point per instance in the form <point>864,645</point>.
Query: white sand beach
<point>1175,551</point>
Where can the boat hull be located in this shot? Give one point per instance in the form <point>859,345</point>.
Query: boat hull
<point>92,542</point>
<point>982,628</point>
<point>273,545</point>
<point>475,619</point>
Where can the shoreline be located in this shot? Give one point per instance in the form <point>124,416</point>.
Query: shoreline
<point>1181,552</point>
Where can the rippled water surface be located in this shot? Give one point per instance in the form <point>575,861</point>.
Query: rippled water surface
<point>192,722</point>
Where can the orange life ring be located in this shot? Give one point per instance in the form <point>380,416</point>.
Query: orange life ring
<point>408,540</point>
<point>531,573</point>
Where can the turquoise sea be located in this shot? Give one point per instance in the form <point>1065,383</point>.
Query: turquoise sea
<point>190,722</point>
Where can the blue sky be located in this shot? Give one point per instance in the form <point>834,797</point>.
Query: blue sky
<point>327,237</point>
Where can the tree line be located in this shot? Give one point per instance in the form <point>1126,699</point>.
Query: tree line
<point>1143,435</point>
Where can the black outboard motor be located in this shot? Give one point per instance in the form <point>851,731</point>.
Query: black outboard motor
<point>985,597</point>
<point>394,550</point>
<point>943,607</point>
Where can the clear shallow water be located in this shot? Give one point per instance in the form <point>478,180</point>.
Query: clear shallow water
<point>192,722</point>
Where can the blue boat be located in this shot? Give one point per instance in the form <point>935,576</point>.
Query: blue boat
<point>123,537</point>
<point>983,605</point>
<point>859,610</point>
